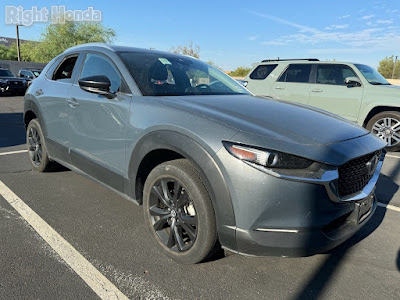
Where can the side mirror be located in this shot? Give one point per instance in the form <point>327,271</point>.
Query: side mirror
<point>21,75</point>
<point>352,81</point>
<point>98,84</point>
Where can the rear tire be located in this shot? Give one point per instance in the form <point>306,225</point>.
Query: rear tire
<point>386,125</point>
<point>37,150</point>
<point>179,212</point>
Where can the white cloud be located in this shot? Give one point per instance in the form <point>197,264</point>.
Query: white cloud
<point>343,26</point>
<point>344,17</point>
<point>276,43</point>
<point>377,37</point>
<point>302,28</point>
<point>252,38</point>
<point>368,17</point>
<point>387,22</point>
<point>337,50</point>
<point>392,10</point>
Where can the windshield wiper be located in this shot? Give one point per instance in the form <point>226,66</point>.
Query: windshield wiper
<point>380,83</point>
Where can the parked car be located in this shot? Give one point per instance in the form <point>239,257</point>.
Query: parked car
<point>29,74</point>
<point>212,165</point>
<point>10,84</point>
<point>242,82</point>
<point>354,91</point>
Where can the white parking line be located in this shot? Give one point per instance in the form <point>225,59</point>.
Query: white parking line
<point>14,152</point>
<point>92,277</point>
<point>395,156</point>
<point>388,206</point>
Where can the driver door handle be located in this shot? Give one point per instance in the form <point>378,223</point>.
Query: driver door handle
<point>72,102</point>
<point>279,87</point>
<point>316,91</point>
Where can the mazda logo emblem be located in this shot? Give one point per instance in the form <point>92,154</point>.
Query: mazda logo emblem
<point>371,165</point>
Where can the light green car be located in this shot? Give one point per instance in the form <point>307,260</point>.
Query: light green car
<point>354,91</point>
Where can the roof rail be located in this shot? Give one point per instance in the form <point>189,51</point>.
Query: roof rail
<point>288,59</point>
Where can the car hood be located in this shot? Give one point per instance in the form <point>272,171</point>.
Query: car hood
<point>12,78</point>
<point>274,119</point>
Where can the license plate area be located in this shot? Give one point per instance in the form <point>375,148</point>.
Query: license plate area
<point>364,209</point>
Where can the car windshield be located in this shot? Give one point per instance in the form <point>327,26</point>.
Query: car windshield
<point>372,75</point>
<point>36,73</point>
<point>6,73</point>
<point>159,74</point>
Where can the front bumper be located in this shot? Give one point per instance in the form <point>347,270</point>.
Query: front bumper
<point>13,89</point>
<point>292,216</point>
<point>302,242</point>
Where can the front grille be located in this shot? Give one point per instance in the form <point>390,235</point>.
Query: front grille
<point>16,83</point>
<point>353,175</point>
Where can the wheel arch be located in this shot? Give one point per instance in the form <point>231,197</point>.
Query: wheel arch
<point>376,110</point>
<point>32,111</point>
<point>163,145</point>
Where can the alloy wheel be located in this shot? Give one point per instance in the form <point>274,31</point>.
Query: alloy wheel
<point>388,129</point>
<point>35,146</point>
<point>173,215</point>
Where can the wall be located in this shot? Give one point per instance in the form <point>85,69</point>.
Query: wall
<point>15,66</point>
<point>394,81</point>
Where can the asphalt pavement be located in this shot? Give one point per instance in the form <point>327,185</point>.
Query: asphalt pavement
<point>109,232</point>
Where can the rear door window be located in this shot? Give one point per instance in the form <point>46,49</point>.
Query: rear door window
<point>296,73</point>
<point>262,72</point>
<point>333,74</point>
<point>64,70</point>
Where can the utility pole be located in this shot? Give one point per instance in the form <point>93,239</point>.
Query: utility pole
<point>18,48</point>
<point>394,66</point>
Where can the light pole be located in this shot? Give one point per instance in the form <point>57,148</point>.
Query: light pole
<point>18,48</point>
<point>394,66</point>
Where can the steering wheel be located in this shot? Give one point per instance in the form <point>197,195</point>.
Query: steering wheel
<point>202,88</point>
<point>199,89</point>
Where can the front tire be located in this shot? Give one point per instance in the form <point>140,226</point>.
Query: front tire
<point>179,212</point>
<point>386,125</point>
<point>37,150</point>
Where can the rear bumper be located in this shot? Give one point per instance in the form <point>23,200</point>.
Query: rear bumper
<point>302,242</point>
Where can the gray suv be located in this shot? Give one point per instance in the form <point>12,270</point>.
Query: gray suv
<point>212,164</point>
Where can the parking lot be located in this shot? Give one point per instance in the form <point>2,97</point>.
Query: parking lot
<point>109,232</point>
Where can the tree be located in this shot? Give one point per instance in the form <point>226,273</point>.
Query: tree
<point>58,37</point>
<point>386,67</point>
<point>240,72</point>
<point>188,49</point>
<point>211,63</point>
<point>8,53</point>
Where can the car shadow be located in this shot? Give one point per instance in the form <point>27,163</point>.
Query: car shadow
<point>398,260</point>
<point>12,129</point>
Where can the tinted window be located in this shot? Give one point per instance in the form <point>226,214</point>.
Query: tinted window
<point>96,64</point>
<point>163,74</point>
<point>372,75</point>
<point>334,74</point>
<point>6,73</point>
<point>261,72</point>
<point>64,71</point>
<point>296,73</point>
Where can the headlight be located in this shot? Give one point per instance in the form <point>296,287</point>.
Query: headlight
<point>267,158</point>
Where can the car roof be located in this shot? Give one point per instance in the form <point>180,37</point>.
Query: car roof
<point>115,48</point>
<point>303,61</point>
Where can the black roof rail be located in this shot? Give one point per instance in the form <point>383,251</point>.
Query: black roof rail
<point>288,59</point>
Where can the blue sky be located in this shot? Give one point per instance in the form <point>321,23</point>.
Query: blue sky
<point>239,33</point>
